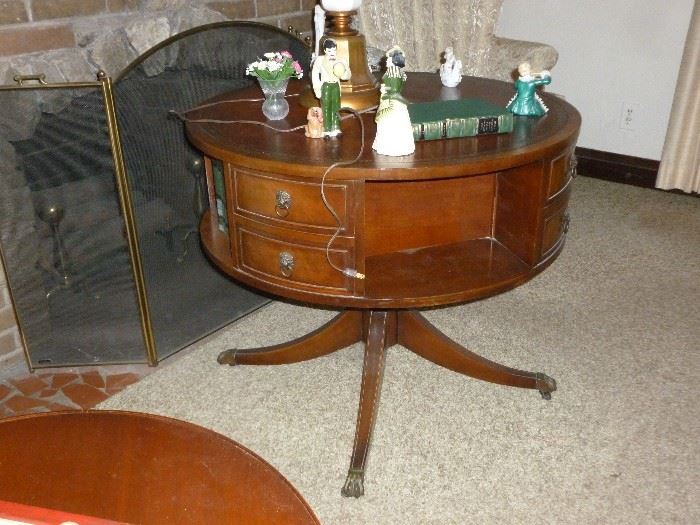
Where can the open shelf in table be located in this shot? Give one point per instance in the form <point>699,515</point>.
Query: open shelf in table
<point>448,273</point>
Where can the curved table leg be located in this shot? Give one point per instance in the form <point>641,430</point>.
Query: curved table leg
<point>382,329</point>
<point>422,338</point>
<point>343,330</point>
<point>381,334</point>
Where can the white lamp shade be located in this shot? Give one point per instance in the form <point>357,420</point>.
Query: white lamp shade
<point>341,5</point>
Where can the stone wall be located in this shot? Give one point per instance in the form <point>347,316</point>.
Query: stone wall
<point>70,40</point>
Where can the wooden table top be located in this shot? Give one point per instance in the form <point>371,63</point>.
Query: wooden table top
<point>141,468</point>
<point>261,148</point>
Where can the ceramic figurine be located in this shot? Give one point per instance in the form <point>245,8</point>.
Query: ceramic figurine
<point>394,131</point>
<point>451,69</point>
<point>327,72</point>
<point>314,126</point>
<point>526,101</point>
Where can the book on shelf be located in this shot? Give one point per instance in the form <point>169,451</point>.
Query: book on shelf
<point>217,168</point>
<point>466,117</point>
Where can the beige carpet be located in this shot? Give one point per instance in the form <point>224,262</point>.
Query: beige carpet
<point>616,320</point>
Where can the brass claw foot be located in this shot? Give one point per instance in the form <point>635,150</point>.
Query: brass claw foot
<point>546,385</point>
<point>354,484</point>
<point>227,357</point>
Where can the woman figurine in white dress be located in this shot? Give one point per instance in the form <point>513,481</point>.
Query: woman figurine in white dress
<point>394,131</point>
<point>451,69</point>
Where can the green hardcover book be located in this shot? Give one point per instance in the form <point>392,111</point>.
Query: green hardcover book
<point>466,117</point>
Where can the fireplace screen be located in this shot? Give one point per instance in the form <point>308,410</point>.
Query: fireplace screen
<point>100,242</point>
<point>64,251</point>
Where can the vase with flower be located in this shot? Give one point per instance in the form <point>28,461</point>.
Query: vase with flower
<point>273,72</point>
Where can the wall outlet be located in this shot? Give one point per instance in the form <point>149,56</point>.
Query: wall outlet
<point>630,115</point>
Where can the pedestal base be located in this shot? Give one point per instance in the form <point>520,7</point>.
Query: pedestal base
<point>381,329</point>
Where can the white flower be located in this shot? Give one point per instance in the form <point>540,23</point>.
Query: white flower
<point>275,65</point>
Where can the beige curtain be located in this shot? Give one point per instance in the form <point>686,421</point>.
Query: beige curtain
<point>424,28</point>
<point>680,160</point>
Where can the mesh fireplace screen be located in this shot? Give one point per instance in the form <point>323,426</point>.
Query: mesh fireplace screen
<point>188,297</point>
<point>66,258</point>
<point>78,295</point>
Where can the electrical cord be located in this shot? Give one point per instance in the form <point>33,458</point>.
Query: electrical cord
<point>184,118</point>
<point>349,272</point>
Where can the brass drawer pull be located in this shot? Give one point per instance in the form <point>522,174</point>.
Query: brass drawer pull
<point>573,163</point>
<point>286,264</point>
<point>283,201</point>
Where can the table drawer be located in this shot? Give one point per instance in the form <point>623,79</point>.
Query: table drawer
<point>561,170</point>
<point>555,224</point>
<point>292,202</point>
<point>292,264</point>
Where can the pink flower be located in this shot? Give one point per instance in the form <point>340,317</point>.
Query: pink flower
<point>286,54</point>
<point>297,67</point>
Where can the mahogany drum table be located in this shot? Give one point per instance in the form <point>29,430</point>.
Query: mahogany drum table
<point>459,220</point>
<point>139,468</point>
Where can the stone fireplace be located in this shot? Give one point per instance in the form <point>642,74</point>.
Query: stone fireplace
<point>70,40</point>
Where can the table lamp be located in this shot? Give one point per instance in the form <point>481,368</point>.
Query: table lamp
<point>362,90</point>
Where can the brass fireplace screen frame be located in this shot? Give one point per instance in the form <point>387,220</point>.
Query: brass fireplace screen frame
<point>154,169</point>
<point>104,83</point>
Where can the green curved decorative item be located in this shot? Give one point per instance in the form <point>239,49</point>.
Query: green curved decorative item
<point>526,101</point>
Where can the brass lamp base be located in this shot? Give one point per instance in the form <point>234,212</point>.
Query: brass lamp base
<point>362,90</point>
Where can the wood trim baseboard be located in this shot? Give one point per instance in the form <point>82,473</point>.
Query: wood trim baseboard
<point>615,167</point>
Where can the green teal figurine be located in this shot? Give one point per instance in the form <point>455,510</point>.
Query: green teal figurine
<point>526,101</point>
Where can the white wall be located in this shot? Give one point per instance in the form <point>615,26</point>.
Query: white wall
<point>611,53</point>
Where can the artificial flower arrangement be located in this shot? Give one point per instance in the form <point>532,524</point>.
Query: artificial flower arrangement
<point>276,65</point>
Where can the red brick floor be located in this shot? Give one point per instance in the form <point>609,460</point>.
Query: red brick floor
<point>52,389</point>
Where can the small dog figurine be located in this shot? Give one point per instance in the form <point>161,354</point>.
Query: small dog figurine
<point>314,128</point>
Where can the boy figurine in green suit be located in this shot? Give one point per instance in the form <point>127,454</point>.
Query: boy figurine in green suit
<point>327,72</point>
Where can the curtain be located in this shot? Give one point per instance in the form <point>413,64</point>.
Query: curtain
<point>680,160</point>
<point>424,28</point>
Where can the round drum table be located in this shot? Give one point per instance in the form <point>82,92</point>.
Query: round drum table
<point>139,468</point>
<point>459,220</point>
